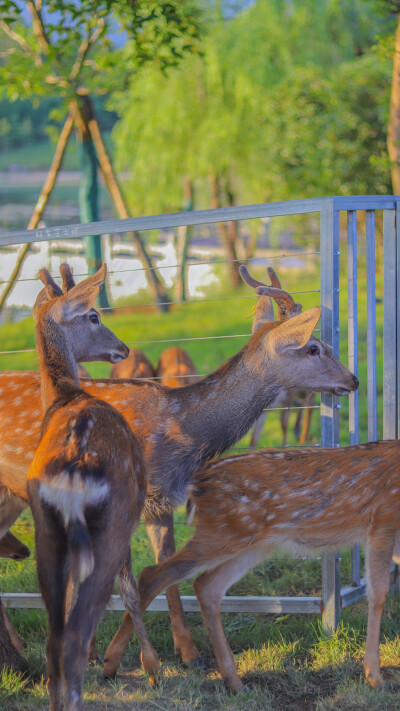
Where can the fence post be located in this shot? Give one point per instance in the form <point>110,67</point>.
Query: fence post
<point>353,357</point>
<point>371,327</point>
<point>329,412</point>
<point>390,326</point>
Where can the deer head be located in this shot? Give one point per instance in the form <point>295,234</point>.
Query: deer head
<point>89,339</point>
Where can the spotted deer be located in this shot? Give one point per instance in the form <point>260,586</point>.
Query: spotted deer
<point>302,399</point>
<point>179,428</point>
<point>136,365</point>
<point>175,368</point>
<point>312,500</point>
<point>86,488</point>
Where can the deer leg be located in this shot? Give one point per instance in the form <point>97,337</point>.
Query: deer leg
<point>162,539</point>
<point>72,593</point>
<point>130,598</point>
<point>305,430</point>
<point>52,577</point>
<point>90,604</point>
<point>378,575</point>
<point>284,425</point>
<point>298,423</point>
<point>17,641</point>
<point>161,535</point>
<point>210,587</point>
<point>257,430</point>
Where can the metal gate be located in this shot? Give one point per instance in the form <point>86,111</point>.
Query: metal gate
<point>334,597</point>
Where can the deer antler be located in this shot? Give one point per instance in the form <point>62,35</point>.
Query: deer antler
<point>67,277</point>
<point>287,308</point>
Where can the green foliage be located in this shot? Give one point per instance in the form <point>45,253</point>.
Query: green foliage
<point>68,44</point>
<point>286,101</point>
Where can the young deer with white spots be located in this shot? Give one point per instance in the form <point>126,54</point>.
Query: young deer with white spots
<point>179,428</point>
<point>317,500</point>
<point>86,489</point>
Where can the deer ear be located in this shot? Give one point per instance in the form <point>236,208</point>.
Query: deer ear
<point>295,332</point>
<point>80,298</point>
<point>51,291</point>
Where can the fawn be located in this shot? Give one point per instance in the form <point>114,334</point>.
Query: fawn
<point>180,428</point>
<point>86,489</point>
<point>317,500</point>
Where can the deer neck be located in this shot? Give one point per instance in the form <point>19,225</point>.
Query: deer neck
<point>58,368</point>
<point>228,402</point>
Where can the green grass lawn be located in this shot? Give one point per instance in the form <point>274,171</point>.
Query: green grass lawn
<point>286,660</point>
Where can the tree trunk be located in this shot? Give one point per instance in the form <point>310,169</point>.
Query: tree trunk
<point>41,203</point>
<point>89,191</point>
<point>9,655</point>
<point>227,236</point>
<point>111,181</point>
<point>393,138</point>
<point>182,247</point>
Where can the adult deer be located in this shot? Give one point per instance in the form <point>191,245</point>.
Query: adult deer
<point>176,369</point>
<point>180,428</point>
<point>86,488</point>
<point>302,399</point>
<point>315,500</point>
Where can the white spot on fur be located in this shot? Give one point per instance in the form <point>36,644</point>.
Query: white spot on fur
<point>70,495</point>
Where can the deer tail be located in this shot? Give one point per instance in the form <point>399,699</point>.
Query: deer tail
<point>80,548</point>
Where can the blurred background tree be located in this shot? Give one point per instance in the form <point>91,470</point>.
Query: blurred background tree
<point>65,48</point>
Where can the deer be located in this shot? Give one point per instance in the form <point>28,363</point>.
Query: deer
<point>298,398</point>
<point>308,500</point>
<point>176,369</point>
<point>11,547</point>
<point>136,365</point>
<point>180,428</point>
<point>86,488</point>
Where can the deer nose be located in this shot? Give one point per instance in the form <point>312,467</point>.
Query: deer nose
<point>356,381</point>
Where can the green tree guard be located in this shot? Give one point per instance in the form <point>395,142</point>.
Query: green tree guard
<point>89,209</point>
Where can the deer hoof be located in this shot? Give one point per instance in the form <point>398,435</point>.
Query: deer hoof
<point>197,663</point>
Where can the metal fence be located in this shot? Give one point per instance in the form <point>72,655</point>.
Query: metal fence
<point>334,597</point>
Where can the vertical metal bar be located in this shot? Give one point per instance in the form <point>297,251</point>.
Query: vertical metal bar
<point>353,356</point>
<point>371,327</point>
<point>390,316</point>
<point>352,316</point>
<point>329,412</point>
<point>396,298</point>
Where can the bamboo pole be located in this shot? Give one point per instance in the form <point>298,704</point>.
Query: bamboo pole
<point>111,181</point>
<point>393,137</point>
<point>41,203</point>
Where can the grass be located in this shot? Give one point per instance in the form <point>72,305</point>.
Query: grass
<point>286,660</point>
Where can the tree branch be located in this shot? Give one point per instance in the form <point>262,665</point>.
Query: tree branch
<point>84,49</point>
<point>16,37</point>
<point>37,23</point>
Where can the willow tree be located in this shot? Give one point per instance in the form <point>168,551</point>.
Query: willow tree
<point>66,48</point>
<point>218,114</point>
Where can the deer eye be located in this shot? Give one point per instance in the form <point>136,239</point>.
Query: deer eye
<point>313,350</point>
<point>93,318</point>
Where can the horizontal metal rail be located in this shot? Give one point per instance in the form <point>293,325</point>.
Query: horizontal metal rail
<point>334,597</point>
<point>199,217</point>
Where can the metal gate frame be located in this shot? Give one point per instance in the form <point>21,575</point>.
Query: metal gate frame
<point>333,598</point>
